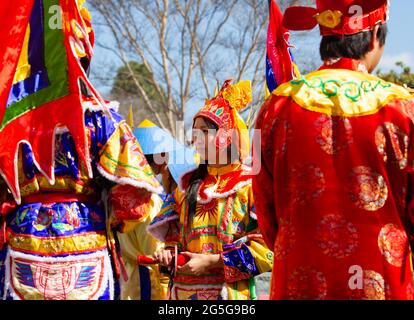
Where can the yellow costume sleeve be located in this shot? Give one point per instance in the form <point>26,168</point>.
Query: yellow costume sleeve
<point>144,282</point>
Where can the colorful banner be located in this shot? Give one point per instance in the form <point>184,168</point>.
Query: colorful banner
<point>43,42</point>
<point>280,67</point>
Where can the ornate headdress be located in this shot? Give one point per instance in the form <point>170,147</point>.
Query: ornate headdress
<point>223,111</point>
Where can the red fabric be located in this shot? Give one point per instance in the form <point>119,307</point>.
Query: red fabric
<point>218,111</point>
<point>14,17</point>
<point>278,47</point>
<point>231,180</point>
<point>7,207</point>
<point>58,197</point>
<point>129,203</point>
<point>373,12</point>
<point>334,196</point>
<point>37,126</point>
<point>300,18</point>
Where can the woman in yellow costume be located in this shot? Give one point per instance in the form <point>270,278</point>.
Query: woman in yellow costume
<point>210,218</point>
<point>169,159</point>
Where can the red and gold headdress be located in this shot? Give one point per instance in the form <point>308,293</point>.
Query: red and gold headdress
<point>337,17</point>
<point>223,111</point>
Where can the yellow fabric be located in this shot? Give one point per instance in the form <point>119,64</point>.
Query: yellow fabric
<point>131,117</point>
<point>66,184</point>
<point>244,139</point>
<point>267,92</point>
<point>139,242</point>
<point>239,95</point>
<point>122,159</point>
<point>218,171</point>
<point>329,18</point>
<point>236,223</point>
<point>340,92</point>
<point>23,66</point>
<point>263,257</point>
<point>61,245</point>
<point>67,270</point>
<point>146,124</point>
<point>239,290</point>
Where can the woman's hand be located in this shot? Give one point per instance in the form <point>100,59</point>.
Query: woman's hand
<point>200,264</point>
<point>164,257</point>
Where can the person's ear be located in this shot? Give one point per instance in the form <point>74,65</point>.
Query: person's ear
<point>374,37</point>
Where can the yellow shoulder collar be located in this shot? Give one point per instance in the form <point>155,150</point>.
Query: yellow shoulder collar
<point>341,92</point>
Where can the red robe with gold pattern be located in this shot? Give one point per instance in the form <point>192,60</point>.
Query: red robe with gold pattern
<point>335,189</point>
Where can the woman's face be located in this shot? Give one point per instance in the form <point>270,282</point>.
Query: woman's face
<point>204,139</point>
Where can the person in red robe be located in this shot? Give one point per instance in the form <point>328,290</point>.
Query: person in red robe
<point>334,195</point>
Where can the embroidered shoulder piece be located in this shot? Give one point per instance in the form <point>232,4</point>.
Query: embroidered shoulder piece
<point>160,224</point>
<point>122,161</point>
<point>340,92</point>
<point>222,186</point>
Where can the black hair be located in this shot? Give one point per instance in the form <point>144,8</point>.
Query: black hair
<point>354,46</point>
<point>151,160</point>
<point>195,181</point>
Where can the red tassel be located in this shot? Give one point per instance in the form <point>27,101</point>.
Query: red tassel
<point>123,269</point>
<point>115,259</point>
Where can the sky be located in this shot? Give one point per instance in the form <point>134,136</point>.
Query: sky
<point>400,42</point>
<point>399,46</point>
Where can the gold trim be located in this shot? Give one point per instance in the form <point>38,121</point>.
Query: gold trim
<point>340,92</point>
<point>218,171</point>
<point>57,245</point>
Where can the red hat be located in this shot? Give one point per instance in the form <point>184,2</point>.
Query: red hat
<point>338,17</point>
<point>223,111</point>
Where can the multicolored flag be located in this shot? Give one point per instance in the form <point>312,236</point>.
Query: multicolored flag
<point>43,45</point>
<point>280,67</point>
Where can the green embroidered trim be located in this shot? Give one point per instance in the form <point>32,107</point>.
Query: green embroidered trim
<point>339,92</point>
<point>252,289</point>
<point>365,86</point>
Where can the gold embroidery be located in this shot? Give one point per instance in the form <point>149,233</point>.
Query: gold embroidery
<point>393,244</point>
<point>373,287</point>
<point>390,137</point>
<point>333,134</point>
<point>58,245</point>
<point>367,189</point>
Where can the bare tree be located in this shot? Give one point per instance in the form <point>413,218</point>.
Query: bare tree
<point>188,46</point>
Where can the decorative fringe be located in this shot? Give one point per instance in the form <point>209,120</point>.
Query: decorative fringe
<point>129,181</point>
<point>215,195</point>
<point>90,106</point>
